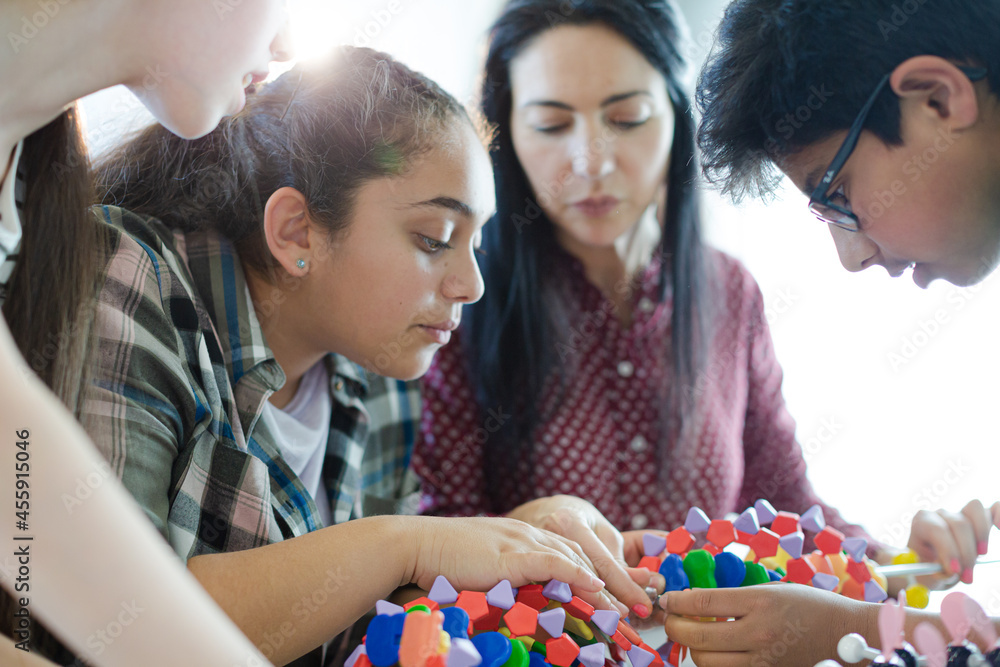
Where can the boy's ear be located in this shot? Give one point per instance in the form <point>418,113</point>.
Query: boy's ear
<point>287,230</point>
<point>935,86</point>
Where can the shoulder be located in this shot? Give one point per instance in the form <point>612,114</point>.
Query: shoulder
<point>732,282</point>
<point>124,226</point>
<point>141,248</point>
<point>741,307</point>
<point>730,274</point>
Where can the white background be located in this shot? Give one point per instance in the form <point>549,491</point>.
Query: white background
<point>884,436</point>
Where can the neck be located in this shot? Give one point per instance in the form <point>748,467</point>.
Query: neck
<point>56,53</point>
<point>283,333</point>
<point>612,268</point>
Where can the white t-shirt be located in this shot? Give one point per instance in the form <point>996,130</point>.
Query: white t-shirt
<point>301,430</point>
<point>10,222</point>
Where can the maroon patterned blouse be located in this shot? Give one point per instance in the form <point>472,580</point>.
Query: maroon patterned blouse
<point>600,443</point>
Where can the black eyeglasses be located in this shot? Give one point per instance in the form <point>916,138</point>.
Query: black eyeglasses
<point>820,202</point>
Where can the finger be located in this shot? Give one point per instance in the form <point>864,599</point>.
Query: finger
<point>698,602</point>
<point>546,564</point>
<point>634,546</point>
<point>964,537</point>
<point>612,539</point>
<point>603,600</point>
<point>981,523</point>
<point>618,581</point>
<point>647,579</point>
<point>995,511</point>
<point>932,539</point>
<point>707,635</point>
<point>595,595</point>
<point>570,548</point>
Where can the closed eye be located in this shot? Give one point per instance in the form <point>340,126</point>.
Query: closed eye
<point>628,124</point>
<point>551,129</point>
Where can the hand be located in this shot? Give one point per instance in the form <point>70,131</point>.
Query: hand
<point>477,553</point>
<point>608,550</point>
<point>953,540</point>
<point>776,624</point>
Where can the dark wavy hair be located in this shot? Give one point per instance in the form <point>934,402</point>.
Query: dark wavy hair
<point>788,73</point>
<point>513,332</point>
<point>325,129</point>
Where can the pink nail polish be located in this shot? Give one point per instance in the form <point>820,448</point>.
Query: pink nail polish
<point>641,610</point>
<point>955,567</point>
<point>967,576</point>
<point>982,547</point>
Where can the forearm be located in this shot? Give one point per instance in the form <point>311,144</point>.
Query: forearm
<point>15,657</point>
<point>93,553</point>
<point>292,596</point>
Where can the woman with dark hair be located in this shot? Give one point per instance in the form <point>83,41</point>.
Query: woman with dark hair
<point>328,229</point>
<point>189,61</point>
<point>614,356</point>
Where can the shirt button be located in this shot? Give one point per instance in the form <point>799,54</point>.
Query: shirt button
<point>646,304</point>
<point>639,521</point>
<point>625,369</point>
<point>339,385</point>
<point>639,444</point>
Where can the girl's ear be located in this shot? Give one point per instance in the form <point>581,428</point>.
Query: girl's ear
<point>287,230</point>
<point>936,87</point>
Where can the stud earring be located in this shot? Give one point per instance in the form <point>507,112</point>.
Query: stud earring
<point>301,263</point>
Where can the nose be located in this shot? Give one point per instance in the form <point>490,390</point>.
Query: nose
<point>857,252</point>
<point>281,48</point>
<point>593,157</point>
<point>465,283</point>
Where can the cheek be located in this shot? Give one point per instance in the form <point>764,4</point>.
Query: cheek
<point>544,164</point>
<point>643,161</point>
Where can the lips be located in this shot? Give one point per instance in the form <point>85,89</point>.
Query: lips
<point>597,207</point>
<point>922,276</point>
<point>252,80</point>
<point>447,325</point>
<point>897,271</point>
<point>440,333</point>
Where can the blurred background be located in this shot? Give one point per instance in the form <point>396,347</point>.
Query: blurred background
<point>895,389</point>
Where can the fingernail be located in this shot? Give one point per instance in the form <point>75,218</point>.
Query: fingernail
<point>662,602</point>
<point>641,610</point>
<point>955,567</point>
<point>967,576</point>
<point>597,582</point>
<point>983,547</point>
<point>658,581</point>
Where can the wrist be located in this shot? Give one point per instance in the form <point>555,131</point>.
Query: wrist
<point>417,537</point>
<point>861,618</point>
<point>400,536</point>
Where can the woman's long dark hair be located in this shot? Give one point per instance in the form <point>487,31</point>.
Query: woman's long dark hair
<point>52,293</point>
<point>513,332</point>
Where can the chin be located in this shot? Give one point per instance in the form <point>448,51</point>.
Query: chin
<point>409,369</point>
<point>189,117</point>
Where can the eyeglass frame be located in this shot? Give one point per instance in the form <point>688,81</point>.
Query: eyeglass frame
<point>820,196</point>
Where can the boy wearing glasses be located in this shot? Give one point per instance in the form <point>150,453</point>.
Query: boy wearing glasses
<point>903,156</point>
<point>900,155</point>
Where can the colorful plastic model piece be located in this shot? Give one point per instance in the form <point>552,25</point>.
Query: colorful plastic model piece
<point>536,626</point>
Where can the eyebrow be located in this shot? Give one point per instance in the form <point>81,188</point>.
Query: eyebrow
<point>812,180</point>
<point>607,102</point>
<point>449,203</point>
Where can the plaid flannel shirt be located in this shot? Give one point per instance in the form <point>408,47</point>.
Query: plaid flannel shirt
<point>182,374</point>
